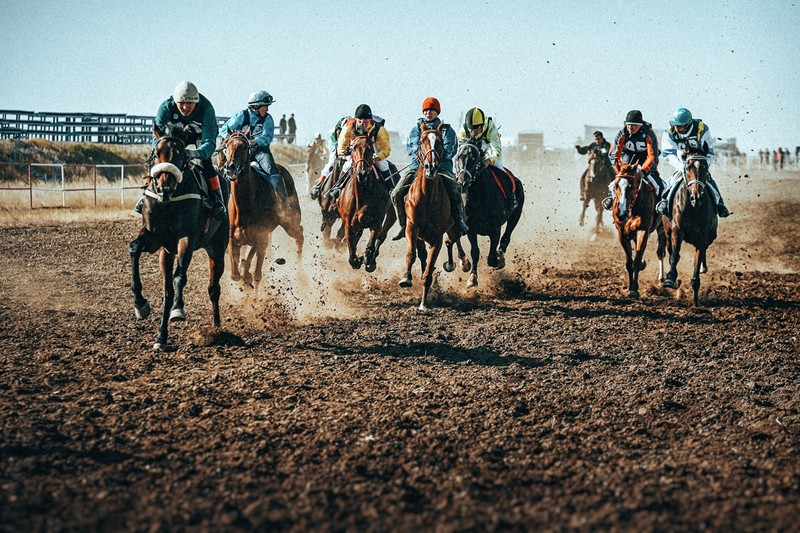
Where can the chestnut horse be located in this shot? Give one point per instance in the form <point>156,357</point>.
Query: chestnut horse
<point>486,207</point>
<point>694,218</point>
<point>255,210</point>
<point>594,186</point>
<point>429,214</point>
<point>174,219</point>
<point>635,218</point>
<point>364,204</point>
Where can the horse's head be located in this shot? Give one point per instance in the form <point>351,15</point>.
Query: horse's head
<point>361,154</point>
<point>165,173</point>
<point>234,154</point>
<point>431,150</point>
<point>695,170</point>
<point>626,184</point>
<point>468,162</point>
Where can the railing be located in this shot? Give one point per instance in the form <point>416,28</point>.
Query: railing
<point>57,182</point>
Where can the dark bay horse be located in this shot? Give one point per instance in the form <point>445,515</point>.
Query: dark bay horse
<point>330,208</point>
<point>594,186</point>
<point>364,204</point>
<point>174,219</point>
<point>429,215</point>
<point>486,206</point>
<point>635,218</point>
<point>694,219</point>
<point>254,209</point>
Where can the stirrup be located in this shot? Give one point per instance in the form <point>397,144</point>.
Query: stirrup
<point>661,208</point>
<point>139,205</point>
<point>314,192</point>
<point>608,202</point>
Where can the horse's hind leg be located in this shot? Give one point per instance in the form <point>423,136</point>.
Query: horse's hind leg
<point>181,272</point>
<point>295,231</point>
<point>371,251</point>
<point>583,211</point>
<point>699,257</point>
<point>638,263</point>
<point>493,259</point>
<point>427,278</point>
<point>216,267</point>
<point>513,220</point>
<point>598,221</point>
<point>661,251</point>
<point>466,266</point>
<point>475,253</point>
<point>411,255</point>
<point>449,265</point>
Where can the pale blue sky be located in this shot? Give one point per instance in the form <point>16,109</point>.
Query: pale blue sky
<point>543,66</point>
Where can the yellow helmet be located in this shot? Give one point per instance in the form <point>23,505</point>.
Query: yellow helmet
<point>475,118</point>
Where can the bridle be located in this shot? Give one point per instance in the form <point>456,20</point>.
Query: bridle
<point>232,167</point>
<point>470,175</point>
<point>435,152</point>
<point>363,162</point>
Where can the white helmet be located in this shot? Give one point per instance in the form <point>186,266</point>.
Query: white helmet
<point>186,92</point>
<point>259,98</point>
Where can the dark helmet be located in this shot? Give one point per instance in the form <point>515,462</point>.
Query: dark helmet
<point>634,117</point>
<point>363,112</point>
<point>475,118</point>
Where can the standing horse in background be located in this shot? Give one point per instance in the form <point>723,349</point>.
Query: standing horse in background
<point>174,220</point>
<point>485,206</point>
<point>315,161</point>
<point>429,214</point>
<point>694,218</point>
<point>635,218</point>
<point>594,186</point>
<point>255,209</point>
<point>364,204</point>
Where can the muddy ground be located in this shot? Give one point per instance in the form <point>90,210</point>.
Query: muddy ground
<point>546,399</point>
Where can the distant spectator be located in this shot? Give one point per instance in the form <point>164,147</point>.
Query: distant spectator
<point>776,158</point>
<point>292,129</point>
<point>282,128</point>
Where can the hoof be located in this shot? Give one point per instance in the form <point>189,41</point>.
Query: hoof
<point>422,308</point>
<point>235,276</point>
<point>633,294</point>
<point>501,260</point>
<point>644,265</point>
<point>472,282</point>
<point>159,347</point>
<point>669,284</point>
<point>405,282</point>
<point>449,267</point>
<point>177,315</point>
<point>371,267</point>
<point>143,311</point>
<point>466,266</point>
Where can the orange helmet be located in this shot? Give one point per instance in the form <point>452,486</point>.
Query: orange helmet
<point>431,103</point>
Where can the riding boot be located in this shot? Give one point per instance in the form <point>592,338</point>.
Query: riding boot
<point>608,201</point>
<point>139,205</point>
<point>218,210</point>
<point>661,207</point>
<point>722,210</point>
<point>316,189</point>
<point>453,190</point>
<point>401,219</point>
<point>336,190</point>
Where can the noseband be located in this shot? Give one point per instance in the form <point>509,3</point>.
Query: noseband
<point>232,168</point>
<point>470,174</point>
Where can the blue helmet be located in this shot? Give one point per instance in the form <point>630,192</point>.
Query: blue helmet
<point>681,117</point>
<point>259,98</point>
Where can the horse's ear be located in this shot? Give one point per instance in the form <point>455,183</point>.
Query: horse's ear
<point>246,131</point>
<point>157,132</point>
<point>439,127</point>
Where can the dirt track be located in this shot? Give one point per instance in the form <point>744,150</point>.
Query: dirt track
<point>545,400</point>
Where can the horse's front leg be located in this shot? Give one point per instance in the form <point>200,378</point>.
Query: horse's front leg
<point>167,262</point>
<point>351,236</point>
<point>638,262</point>
<point>450,264</point>
<point>625,241</point>
<point>699,258</point>
<point>260,251</point>
<point>411,254</point>
<point>184,256</point>
<point>427,278</point>
<point>475,253</point>
<point>140,303</point>
<point>495,258</point>
<point>466,266</point>
<point>676,238</point>
<point>216,268</point>
<point>371,251</point>
<point>583,211</point>
<point>598,221</point>
<point>661,251</point>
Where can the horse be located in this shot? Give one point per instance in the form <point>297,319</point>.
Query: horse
<point>174,220</point>
<point>364,204</point>
<point>315,161</point>
<point>485,206</point>
<point>330,208</point>
<point>255,209</point>
<point>694,218</point>
<point>594,186</point>
<point>635,218</point>
<point>429,215</point>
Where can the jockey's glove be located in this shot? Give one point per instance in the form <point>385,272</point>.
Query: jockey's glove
<point>193,154</point>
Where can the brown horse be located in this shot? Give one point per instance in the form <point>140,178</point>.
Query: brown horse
<point>329,207</point>
<point>364,204</point>
<point>315,161</point>
<point>594,186</point>
<point>173,222</point>
<point>635,218</point>
<point>694,219</point>
<point>429,215</point>
<point>255,209</point>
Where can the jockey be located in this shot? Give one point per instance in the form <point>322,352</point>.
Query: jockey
<point>190,111</point>
<point>601,147</point>
<point>636,143</point>
<point>363,123</point>
<point>330,144</point>
<point>478,126</point>
<point>259,122</point>
<point>685,130</point>
<point>430,120</point>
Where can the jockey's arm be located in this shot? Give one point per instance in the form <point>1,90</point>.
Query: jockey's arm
<point>264,139</point>
<point>343,143</point>
<point>208,139</point>
<point>382,144</point>
<point>450,143</point>
<point>708,140</point>
<point>496,147</point>
<point>647,166</point>
<point>670,152</point>
<point>412,144</point>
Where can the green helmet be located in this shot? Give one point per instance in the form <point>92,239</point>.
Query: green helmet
<point>681,117</point>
